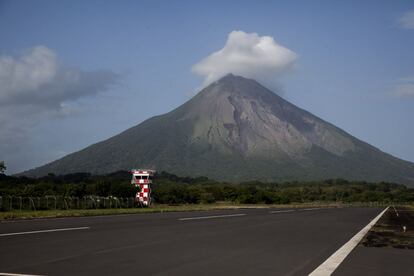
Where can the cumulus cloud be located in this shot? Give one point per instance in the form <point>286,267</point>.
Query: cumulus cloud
<point>404,88</point>
<point>407,20</point>
<point>248,55</point>
<point>36,78</point>
<point>35,87</point>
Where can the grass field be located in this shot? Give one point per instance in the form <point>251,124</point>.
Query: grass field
<point>24,214</point>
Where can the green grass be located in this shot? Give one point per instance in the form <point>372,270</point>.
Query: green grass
<point>12,215</point>
<point>159,208</point>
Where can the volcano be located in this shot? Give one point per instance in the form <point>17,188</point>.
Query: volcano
<point>238,130</point>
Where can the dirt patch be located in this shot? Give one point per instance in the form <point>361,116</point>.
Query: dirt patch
<point>389,231</point>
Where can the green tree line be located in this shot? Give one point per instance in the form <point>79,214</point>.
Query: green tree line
<point>172,189</point>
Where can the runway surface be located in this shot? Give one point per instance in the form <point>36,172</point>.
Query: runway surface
<point>222,242</point>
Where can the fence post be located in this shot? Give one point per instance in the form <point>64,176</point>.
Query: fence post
<point>64,200</point>
<point>71,203</point>
<point>32,202</point>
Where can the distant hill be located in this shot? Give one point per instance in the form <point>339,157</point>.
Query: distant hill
<point>236,130</point>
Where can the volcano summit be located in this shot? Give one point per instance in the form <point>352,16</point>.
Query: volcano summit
<point>236,130</point>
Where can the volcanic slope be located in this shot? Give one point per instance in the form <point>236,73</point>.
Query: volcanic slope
<point>237,130</point>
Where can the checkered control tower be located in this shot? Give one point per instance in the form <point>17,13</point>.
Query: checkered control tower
<point>142,178</point>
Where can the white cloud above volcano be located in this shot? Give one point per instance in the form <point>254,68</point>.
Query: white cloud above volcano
<point>248,55</point>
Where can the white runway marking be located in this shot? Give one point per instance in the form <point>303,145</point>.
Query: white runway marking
<point>212,217</point>
<point>44,231</point>
<point>310,209</point>
<point>16,274</point>
<point>281,211</point>
<point>332,263</point>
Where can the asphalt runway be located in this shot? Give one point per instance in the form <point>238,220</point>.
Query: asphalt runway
<point>377,261</point>
<point>222,242</point>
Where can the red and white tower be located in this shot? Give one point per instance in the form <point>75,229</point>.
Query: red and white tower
<point>142,178</point>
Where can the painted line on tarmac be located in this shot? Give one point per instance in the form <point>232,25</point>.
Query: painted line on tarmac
<point>44,231</point>
<point>282,211</point>
<point>16,274</point>
<point>212,217</point>
<point>332,263</point>
<point>310,209</point>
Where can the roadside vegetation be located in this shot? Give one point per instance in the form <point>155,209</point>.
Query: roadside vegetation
<point>394,229</point>
<point>171,189</point>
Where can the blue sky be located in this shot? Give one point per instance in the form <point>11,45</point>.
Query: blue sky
<point>354,66</point>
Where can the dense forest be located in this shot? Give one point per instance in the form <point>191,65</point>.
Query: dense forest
<point>171,189</point>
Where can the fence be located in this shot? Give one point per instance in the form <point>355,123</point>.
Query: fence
<point>10,203</point>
